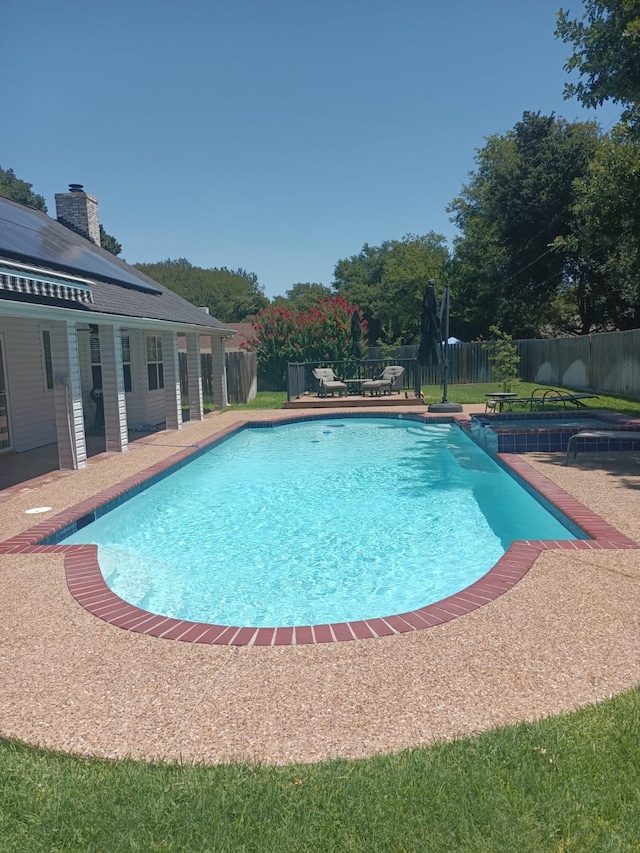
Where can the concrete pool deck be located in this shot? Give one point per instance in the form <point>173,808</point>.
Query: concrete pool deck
<point>564,636</point>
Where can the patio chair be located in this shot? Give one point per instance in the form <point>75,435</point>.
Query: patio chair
<point>552,395</point>
<point>329,382</point>
<point>390,380</point>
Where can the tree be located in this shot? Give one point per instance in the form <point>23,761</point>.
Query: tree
<point>303,296</point>
<point>605,240</point>
<point>230,296</point>
<point>284,334</point>
<point>606,43</point>
<point>388,283</point>
<point>503,358</point>
<point>508,267</point>
<point>109,243</point>
<point>17,190</point>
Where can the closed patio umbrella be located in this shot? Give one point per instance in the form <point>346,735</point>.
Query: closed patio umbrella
<point>434,343</point>
<point>356,335</point>
<point>430,336</point>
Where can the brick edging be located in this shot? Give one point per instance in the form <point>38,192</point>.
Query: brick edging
<point>89,589</point>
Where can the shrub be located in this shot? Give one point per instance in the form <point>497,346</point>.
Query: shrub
<point>503,358</point>
<point>321,334</point>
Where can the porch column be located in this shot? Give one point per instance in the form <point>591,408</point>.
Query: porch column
<point>114,401</point>
<point>194,377</point>
<point>172,396</point>
<point>219,371</point>
<point>67,393</point>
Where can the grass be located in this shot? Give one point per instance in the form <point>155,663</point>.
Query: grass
<point>477,394</point>
<point>263,400</point>
<point>567,784</point>
<point>564,785</point>
<point>466,394</point>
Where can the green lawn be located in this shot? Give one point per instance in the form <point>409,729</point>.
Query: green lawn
<point>477,394</point>
<point>264,400</point>
<point>568,784</point>
<point>467,394</point>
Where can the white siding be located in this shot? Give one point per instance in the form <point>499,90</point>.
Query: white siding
<point>115,412</point>
<point>33,422</point>
<point>143,406</point>
<point>194,380</point>
<point>72,451</point>
<point>84,355</point>
<point>135,397</point>
<point>219,369</point>
<point>173,408</point>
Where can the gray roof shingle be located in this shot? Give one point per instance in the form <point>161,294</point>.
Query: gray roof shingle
<point>31,237</point>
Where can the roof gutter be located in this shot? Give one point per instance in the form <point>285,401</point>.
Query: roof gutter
<point>29,310</point>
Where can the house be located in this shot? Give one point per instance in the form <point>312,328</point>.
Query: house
<point>244,334</point>
<point>87,342</point>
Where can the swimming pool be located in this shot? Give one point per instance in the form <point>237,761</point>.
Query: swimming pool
<point>319,522</point>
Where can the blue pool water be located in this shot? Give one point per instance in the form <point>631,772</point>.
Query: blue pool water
<point>313,522</point>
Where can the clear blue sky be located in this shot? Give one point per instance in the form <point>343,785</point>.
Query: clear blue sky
<point>274,135</point>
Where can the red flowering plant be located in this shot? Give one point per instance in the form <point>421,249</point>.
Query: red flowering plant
<point>321,334</point>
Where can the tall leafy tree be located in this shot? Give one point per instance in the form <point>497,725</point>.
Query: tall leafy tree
<point>509,266</point>
<point>109,243</point>
<point>283,334</point>
<point>388,282</point>
<point>230,295</point>
<point>17,190</point>
<point>304,295</point>
<point>606,45</point>
<point>607,225</point>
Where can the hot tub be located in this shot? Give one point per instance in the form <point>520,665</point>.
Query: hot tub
<point>546,432</point>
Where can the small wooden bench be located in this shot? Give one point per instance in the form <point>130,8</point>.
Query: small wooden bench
<point>615,434</point>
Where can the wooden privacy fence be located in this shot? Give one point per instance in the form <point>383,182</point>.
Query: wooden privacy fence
<point>241,375</point>
<point>607,362</point>
<point>206,370</point>
<point>467,363</point>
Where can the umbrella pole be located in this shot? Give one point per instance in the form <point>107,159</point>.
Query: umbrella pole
<point>445,346</point>
<point>445,405</point>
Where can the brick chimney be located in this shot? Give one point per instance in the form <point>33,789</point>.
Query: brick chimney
<point>79,211</point>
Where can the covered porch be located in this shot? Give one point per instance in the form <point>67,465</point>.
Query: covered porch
<point>41,464</point>
<point>71,389</point>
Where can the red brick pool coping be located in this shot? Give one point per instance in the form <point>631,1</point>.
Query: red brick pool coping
<point>87,586</point>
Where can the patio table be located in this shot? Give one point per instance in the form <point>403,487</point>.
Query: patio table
<point>357,383</point>
<point>501,397</point>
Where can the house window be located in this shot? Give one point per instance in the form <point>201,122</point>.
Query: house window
<point>126,362</point>
<point>96,359</point>
<point>155,368</point>
<point>48,361</point>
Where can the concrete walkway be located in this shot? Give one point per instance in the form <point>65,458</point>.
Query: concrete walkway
<point>566,635</point>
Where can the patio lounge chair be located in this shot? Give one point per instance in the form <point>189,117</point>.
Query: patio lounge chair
<point>329,382</point>
<point>390,380</point>
<point>552,395</point>
<point>598,439</point>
